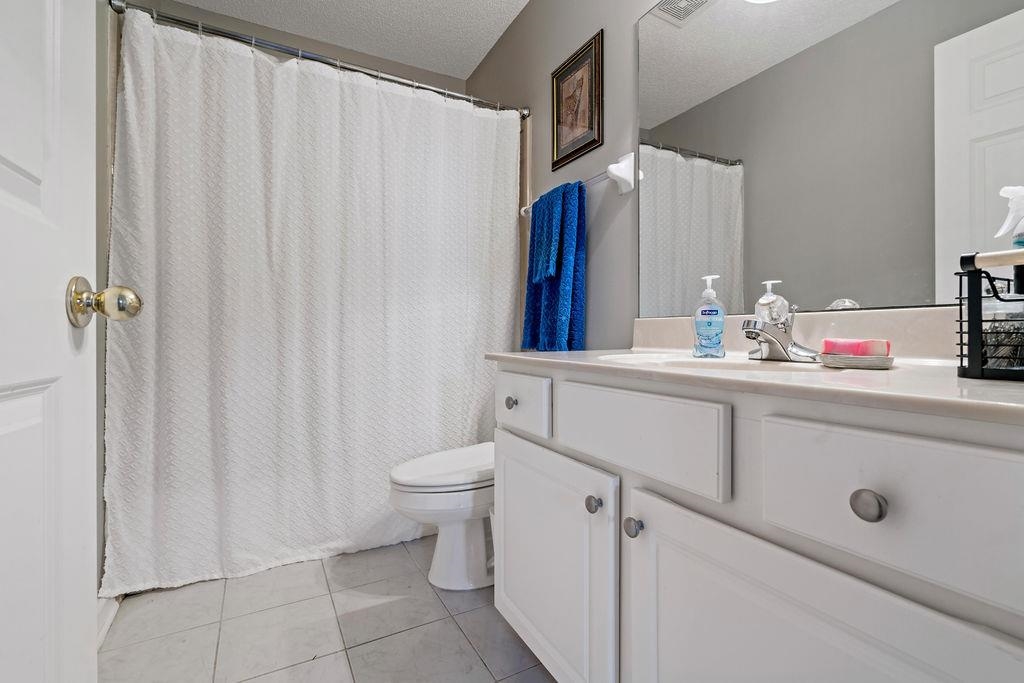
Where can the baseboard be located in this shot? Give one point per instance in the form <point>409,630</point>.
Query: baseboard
<point>106,608</point>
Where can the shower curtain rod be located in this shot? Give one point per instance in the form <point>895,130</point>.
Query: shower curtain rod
<point>690,153</point>
<point>120,6</point>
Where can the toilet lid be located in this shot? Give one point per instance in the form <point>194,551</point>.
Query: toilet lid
<point>467,465</point>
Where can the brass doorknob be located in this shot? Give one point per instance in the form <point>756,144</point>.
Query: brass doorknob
<point>115,302</point>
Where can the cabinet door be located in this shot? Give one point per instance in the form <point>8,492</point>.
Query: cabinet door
<point>710,603</point>
<point>556,562</point>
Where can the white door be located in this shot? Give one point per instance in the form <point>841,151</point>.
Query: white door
<point>711,603</point>
<point>979,141</point>
<point>556,559</point>
<point>47,368</point>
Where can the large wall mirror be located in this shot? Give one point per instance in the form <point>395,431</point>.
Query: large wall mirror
<point>850,148</point>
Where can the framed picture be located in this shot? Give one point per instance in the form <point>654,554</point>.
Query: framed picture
<point>577,106</point>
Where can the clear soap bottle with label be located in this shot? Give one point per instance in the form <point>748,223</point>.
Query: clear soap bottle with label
<point>709,324</point>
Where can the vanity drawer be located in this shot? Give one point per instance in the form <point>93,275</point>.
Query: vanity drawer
<point>955,512</point>
<point>681,442</point>
<point>523,402</point>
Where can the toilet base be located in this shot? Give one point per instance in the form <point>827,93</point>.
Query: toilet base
<point>460,557</point>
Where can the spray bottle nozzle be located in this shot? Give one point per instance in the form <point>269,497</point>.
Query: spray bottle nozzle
<point>1015,218</point>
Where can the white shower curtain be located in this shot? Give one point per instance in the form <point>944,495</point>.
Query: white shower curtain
<point>324,260</point>
<point>691,224</point>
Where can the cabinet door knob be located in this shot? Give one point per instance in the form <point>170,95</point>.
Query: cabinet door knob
<point>593,504</point>
<point>868,505</point>
<point>511,402</point>
<point>632,527</point>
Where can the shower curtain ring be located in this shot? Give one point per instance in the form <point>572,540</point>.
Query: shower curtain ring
<point>252,46</point>
<point>199,24</point>
<point>300,53</point>
<point>154,14</point>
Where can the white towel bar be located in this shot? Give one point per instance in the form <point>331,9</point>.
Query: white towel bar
<point>621,172</point>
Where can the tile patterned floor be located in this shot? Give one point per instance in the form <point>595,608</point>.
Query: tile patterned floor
<point>359,618</point>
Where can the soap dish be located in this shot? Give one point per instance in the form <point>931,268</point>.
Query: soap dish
<point>844,362</point>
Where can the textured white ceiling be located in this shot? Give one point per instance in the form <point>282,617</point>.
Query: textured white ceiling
<point>445,36</point>
<point>728,41</point>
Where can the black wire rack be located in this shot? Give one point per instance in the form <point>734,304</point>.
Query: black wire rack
<point>990,346</point>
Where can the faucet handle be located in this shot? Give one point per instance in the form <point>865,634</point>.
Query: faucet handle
<point>790,320</point>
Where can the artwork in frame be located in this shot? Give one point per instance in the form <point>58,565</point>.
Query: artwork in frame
<point>577,107</point>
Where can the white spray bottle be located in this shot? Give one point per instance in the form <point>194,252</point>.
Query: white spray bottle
<point>1015,222</point>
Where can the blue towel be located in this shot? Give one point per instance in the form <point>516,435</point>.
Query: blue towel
<point>556,290</point>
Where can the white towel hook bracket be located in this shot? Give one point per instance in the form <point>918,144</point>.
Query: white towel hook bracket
<point>621,172</point>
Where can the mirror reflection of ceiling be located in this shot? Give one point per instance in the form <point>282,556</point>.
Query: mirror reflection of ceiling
<point>726,42</point>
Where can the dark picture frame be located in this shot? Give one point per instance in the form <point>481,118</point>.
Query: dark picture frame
<point>577,103</point>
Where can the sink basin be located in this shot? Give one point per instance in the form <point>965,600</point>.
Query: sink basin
<point>682,359</point>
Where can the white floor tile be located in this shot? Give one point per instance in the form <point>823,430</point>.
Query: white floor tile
<point>384,607</point>
<point>501,649</point>
<point>422,551</point>
<point>274,587</point>
<point>265,641</point>
<point>434,653</point>
<point>181,657</point>
<point>356,569</point>
<point>160,612</point>
<point>458,602</point>
<point>537,674</point>
<point>329,669</point>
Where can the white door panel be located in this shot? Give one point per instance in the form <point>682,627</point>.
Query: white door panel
<point>47,369</point>
<point>979,141</point>
<point>711,603</point>
<point>556,578</point>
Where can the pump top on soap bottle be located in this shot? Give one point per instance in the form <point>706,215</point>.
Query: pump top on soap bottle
<point>772,307</point>
<point>709,323</point>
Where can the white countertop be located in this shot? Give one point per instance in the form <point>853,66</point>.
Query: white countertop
<point>913,384</point>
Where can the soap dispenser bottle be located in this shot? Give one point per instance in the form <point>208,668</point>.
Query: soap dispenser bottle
<point>709,324</point>
<point>772,307</point>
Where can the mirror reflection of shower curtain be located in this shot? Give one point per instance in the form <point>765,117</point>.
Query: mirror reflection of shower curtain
<point>691,224</point>
<point>325,259</point>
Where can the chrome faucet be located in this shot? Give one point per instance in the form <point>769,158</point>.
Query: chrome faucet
<point>775,341</point>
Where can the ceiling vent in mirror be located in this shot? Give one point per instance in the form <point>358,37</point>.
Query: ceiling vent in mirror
<point>677,11</point>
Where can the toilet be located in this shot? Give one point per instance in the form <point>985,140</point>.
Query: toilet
<point>453,490</point>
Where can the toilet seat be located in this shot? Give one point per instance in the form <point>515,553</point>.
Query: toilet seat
<point>454,488</point>
<point>460,469</point>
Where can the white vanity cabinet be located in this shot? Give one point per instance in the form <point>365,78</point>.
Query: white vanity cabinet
<point>727,546</point>
<point>711,603</point>
<point>556,551</point>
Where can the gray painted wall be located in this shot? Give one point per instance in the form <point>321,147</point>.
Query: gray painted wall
<point>838,150</point>
<point>518,70</point>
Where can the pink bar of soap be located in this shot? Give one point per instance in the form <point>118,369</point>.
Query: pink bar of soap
<point>857,347</point>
